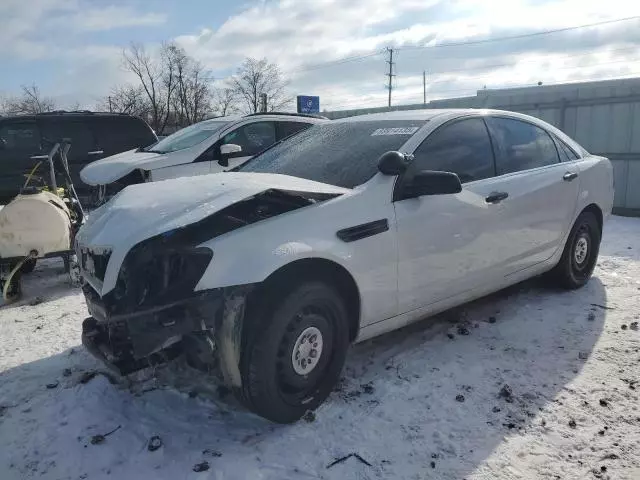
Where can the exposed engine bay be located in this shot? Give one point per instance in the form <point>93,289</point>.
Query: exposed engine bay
<point>153,314</point>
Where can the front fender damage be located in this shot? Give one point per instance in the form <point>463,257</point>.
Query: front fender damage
<point>207,328</point>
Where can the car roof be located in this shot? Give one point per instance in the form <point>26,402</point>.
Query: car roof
<point>425,114</point>
<point>266,116</point>
<point>66,114</point>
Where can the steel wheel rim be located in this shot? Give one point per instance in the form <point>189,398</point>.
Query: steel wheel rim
<point>307,351</point>
<point>581,250</point>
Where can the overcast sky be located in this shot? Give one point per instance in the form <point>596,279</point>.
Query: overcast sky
<point>72,48</point>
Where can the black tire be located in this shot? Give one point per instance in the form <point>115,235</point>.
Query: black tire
<point>580,253</point>
<point>270,385</point>
<point>28,266</point>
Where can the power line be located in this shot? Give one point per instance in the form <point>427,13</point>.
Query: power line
<point>514,37</point>
<point>331,63</point>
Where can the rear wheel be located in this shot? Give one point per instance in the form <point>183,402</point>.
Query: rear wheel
<point>294,352</point>
<point>580,253</point>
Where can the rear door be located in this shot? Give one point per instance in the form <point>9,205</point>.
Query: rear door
<point>84,148</point>
<point>541,192</point>
<point>449,244</point>
<point>116,134</point>
<point>19,142</point>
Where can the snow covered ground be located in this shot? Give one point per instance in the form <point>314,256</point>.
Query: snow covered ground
<point>426,402</point>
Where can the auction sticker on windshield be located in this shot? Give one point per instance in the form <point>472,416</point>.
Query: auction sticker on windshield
<point>395,131</point>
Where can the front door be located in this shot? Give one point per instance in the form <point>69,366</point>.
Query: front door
<point>541,198</point>
<point>253,138</point>
<point>19,143</point>
<point>449,244</point>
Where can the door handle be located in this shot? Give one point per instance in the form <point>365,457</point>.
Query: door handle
<point>496,197</point>
<point>569,176</point>
<point>96,152</point>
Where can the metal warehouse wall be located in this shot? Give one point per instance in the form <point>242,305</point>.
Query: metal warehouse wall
<point>604,117</point>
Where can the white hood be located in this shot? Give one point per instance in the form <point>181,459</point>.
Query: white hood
<point>110,169</point>
<point>144,210</point>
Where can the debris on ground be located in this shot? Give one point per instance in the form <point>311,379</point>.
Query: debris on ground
<point>154,443</point>
<point>211,453</point>
<point>309,416</point>
<point>201,467</point>
<point>572,423</point>
<point>354,455</point>
<point>463,330</point>
<point>623,326</point>
<point>367,388</point>
<point>66,372</point>
<point>52,385</point>
<point>634,326</point>
<point>492,319</point>
<point>496,409</point>
<point>99,439</point>
<point>506,393</point>
<point>459,398</point>
<point>604,403</point>
<point>450,336</point>
<point>583,355</point>
<point>604,307</point>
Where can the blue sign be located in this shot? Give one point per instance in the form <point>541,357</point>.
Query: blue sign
<point>308,104</point>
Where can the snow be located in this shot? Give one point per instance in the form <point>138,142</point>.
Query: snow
<point>561,353</point>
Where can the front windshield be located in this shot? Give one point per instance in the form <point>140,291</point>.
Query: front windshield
<point>342,153</point>
<point>187,137</point>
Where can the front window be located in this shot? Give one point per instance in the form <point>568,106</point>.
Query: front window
<point>187,137</point>
<point>341,153</point>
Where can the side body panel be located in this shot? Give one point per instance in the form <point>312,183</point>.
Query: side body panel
<point>251,254</point>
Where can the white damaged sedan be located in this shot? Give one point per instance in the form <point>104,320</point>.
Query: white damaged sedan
<point>345,231</point>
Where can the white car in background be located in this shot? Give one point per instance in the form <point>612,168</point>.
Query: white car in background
<point>350,229</point>
<point>210,146</point>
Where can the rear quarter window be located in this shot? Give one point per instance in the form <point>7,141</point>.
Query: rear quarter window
<point>118,134</point>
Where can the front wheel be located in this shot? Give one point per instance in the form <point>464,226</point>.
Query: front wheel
<point>293,357</point>
<point>580,253</point>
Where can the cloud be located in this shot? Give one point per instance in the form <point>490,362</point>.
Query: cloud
<point>311,39</point>
<point>44,28</point>
<point>303,36</point>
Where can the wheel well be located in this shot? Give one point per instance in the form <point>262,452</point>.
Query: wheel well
<point>593,208</point>
<point>320,269</point>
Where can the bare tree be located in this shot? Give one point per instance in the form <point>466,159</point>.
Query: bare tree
<point>127,99</point>
<point>224,102</point>
<point>193,96</point>
<point>156,76</point>
<point>255,78</point>
<point>31,101</point>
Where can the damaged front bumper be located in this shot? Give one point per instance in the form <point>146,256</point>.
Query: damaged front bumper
<point>152,336</point>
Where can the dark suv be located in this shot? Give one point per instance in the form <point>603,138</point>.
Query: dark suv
<point>93,136</point>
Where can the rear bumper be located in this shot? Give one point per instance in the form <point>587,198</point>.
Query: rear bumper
<point>132,341</point>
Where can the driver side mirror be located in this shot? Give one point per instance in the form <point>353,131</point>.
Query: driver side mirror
<point>226,151</point>
<point>428,182</point>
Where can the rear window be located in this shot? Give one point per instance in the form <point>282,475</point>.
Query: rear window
<point>122,133</point>
<point>343,154</point>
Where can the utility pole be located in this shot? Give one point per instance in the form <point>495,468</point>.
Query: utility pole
<point>110,109</point>
<point>424,86</point>
<point>390,74</point>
